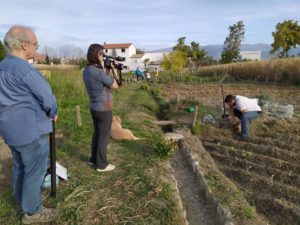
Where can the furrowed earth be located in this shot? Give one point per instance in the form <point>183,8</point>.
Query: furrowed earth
<point>266,167</point>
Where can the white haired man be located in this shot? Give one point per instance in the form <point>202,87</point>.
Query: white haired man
<point>27,107</point>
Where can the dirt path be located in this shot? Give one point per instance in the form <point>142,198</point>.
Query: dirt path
<point>5,166</point>
<point>197,212</point>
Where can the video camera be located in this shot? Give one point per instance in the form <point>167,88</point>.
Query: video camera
<point>110,60</point>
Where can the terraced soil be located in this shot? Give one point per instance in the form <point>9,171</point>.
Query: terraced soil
<point>267,166</point>
<point>210,94</point>
<point>268,174</point>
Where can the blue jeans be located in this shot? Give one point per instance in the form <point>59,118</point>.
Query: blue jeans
<point>245,119</point>
<point>29,169</point>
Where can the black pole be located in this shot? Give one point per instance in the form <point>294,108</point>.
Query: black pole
<point>120,76</point>
<point>53,161</point>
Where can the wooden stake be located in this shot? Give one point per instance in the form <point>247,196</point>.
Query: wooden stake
<point>195,116</point>
<point>78,115</point>
<point>178,101</point>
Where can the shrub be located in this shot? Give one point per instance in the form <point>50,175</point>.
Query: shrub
<point>162,148</point>
<point>145,87</point>
<point>188,79</point>
<point>196,130</point>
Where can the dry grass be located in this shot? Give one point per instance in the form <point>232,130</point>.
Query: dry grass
<point>56,67</point>
<point>285,71</point>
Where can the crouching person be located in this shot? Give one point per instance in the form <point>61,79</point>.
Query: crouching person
<point>27,107</point>
<point>245,109</point>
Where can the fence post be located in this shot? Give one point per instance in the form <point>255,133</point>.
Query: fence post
<point>195,116</point>
<point>178,99</point>
<point>78,115</point>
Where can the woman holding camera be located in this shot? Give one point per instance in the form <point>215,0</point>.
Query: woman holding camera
<point>99,86</point>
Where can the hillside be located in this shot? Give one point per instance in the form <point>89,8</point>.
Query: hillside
<point>216,50</point>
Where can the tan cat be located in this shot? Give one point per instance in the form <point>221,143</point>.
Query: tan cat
<point>119,133</point>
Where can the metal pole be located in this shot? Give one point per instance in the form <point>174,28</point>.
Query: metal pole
<point>53,161</point>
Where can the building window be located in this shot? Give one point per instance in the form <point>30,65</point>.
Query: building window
<point>123,49</point>
<point>123,58</point>
<point>106,50</point>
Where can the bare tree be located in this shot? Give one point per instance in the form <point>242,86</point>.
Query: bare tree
<point>70,51</point>
<point>51,52</point>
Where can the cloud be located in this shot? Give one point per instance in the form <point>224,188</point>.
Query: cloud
<point>145,23</point>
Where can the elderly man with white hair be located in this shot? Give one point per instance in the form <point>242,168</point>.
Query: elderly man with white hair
<point>27,108</point>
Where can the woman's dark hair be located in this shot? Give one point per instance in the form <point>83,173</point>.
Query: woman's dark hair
<point>93,54</point>
<point>229,98</point>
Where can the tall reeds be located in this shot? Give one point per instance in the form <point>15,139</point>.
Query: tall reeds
<point>282,71</point>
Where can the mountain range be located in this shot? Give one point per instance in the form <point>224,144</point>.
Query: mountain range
<point>216,50</point>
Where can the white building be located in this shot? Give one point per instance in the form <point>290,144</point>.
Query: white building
<point>251,55</point>
<point>132,60</point>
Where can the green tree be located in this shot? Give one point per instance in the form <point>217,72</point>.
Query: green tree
<point>232,44</point>
<point>174,62</point>
<point>47,59</point>
<point>3,51</point>
<point>196,53</point>
<point>181,46</point>
<point>56,61</point>
<point>82,62</point>
<point>139,51</point>
<point>286,37</point>
<point>193,53</point>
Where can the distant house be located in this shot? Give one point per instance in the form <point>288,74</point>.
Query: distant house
<point>39,58</point>
<point>132,60</point>
<point>251,55</point>
<point>65,61</point>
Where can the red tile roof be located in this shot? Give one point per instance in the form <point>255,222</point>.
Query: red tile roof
<point>122,45</point>
<point>40,57</point>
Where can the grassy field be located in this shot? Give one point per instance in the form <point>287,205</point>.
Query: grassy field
<point>138,191</point>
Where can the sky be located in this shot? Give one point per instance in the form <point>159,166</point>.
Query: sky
<point>148,24</point>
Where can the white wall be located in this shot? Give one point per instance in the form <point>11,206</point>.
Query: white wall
<point>155,56</point>
<point>133,63</point>
<point>131,50</point>
<point>252,55</point>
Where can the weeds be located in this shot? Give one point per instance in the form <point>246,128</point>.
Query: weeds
<point>162,148</point>
<point>249,212</point>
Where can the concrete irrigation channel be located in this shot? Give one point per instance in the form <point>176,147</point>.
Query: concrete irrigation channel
<point>200,206</point>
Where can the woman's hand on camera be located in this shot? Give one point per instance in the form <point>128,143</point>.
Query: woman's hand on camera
<point>114,85</point>
<point>114,70</point>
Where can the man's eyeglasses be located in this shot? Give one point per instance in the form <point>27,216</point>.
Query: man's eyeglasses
<point>36,44</point>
